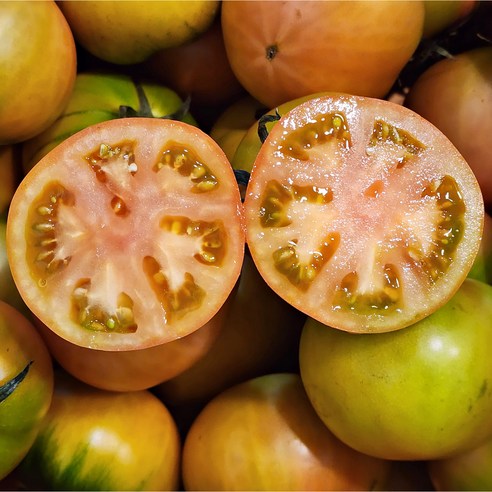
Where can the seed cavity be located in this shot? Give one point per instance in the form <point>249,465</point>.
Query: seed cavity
<point>41,232</point>
<point>449,230</point>
<point>350,295</point>
<point>277,197</point>
<point>187,163</point>
<point>384,132</point>
<point>176,302</point>
<point>301,274</point>
<point>213,237</point>
<point>120,157</point>
<point>327,127</point>
<point>94,317</point>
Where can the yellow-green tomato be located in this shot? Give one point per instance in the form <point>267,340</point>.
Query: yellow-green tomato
<point>26,386</point>
<point>95,439</point>
<point>419,393</point>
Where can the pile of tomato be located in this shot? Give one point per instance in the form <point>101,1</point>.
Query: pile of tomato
<point>245,245</point>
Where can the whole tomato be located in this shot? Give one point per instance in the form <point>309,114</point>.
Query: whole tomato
<point>38,66</point>
<point>280,51</point>
<point>263,434</point>
<point>129,32</point>
<point>93,439</point>
<point>455,94</point>
<point>418,393</point>
<point>26,386</point>
<point>441,14</point>
<point>8,176</point>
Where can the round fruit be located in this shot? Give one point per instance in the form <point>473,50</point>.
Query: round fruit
<point>280,51</point>
<point>98,97</point>
<point>128,234</point>
<point>442,14</point>
<point>263,434</point>
<point>38,67</point>
<point>455,94</point>
<point>26,386</point>
<point>419,393</point>
<point>129,32</point>
<point>100,440</point>
<point>8,181</point>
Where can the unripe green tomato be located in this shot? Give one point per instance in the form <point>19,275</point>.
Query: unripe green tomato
<point>98,97</point>
<point>418,393</point>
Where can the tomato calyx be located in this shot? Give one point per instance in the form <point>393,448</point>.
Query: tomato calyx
<point>145,110</point>
<point>10,386</point>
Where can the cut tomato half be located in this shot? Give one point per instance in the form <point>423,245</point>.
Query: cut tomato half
<point>361,214</point>
<point>127,235</point>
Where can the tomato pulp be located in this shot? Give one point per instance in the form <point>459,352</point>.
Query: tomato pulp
<point>128,234</point>
<point>362,214</point>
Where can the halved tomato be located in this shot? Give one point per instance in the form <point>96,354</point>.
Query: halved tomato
<point>362,214</point>
<point>128,234</point>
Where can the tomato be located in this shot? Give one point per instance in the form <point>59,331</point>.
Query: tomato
<point>284,50</point>
<point>467,471</point>
<point>131,31</point>
<point>442,14</point>
<point>133,370</point>
<point>183,67</point>
<point>98,97</point>
<point>26,386</point>
<point>419,393</point>
<point>8,177</point>
<point>38,67</point>
<point>260,335</point>
<point>482,267</point>
<point>128,234</point>
<point>93,439</point>
<point>361,214</point>
<point>455,94</point>
<point>263,434</point>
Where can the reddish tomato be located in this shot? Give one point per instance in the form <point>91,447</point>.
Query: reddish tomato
<point>38,67</point>
<point>263,434</point>
<point>280,51</point>
<point>362,214</point>
<point>455,94</point>
<point>260,335</point>
<point>133,370</point>
<point>100,440</point>
<point>26,386</point>
<point>128,234</point>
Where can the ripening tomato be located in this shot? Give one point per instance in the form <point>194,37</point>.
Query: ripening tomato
<point>442,14</point>
<point>263,434</point>
<point>38,66</point>
<point>419,393</point>
<point>133,370</point>
<point>361,214</point>
<point>455,94</point>
<point>98,97</point>
<point>131,31</point>
<point>471,470</point>
<point>280,51</point>
<point>26,386</point>
<point>128,234</point>
<point>93,439</point>
<point>260,335</point>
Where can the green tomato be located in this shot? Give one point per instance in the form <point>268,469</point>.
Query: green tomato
<point>26,386</point>
<point>98,97</point>
<point>420,393</point>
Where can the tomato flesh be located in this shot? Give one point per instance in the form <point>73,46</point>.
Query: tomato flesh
<point>361,214</point>
<point>128,234</point>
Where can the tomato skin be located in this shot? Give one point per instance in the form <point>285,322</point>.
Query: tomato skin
<point>8,177</point>
<point>21,412</point>
<point>419,393</point>
<point>343,217</point>
<point>455,94</point>
<point>133,370</point>
<point>93,439</point>
<point>275,48</point>
<point>98,97</point>
<point>264,435</point>
<point>441,14</point>
<point>467,471</point>
<point>168,228</point>
<point>38,66</point>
